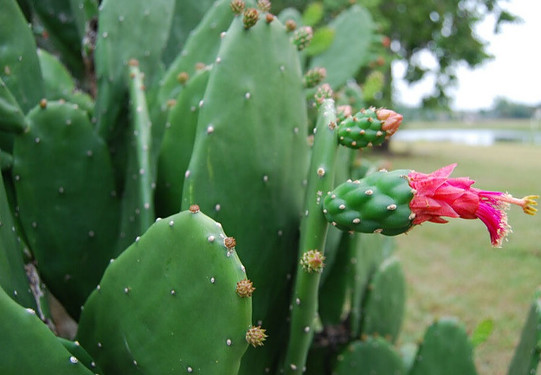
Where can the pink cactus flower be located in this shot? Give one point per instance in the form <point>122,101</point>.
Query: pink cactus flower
<point>437,195</point>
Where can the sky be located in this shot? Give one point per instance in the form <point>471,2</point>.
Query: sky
<point>514,73</point>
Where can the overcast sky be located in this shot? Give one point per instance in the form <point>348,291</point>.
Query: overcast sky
<point>514,73</point>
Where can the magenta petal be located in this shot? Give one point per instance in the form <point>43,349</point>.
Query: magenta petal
<point>496,222</point>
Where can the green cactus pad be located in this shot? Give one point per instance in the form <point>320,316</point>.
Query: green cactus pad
<point>252,148</point>
<point>177,145</point>
<point>186,18</point>
<point>168,304</point>
<point>11,116</point>
<point>373,356</point>
<point>58,82</point>
<point>138,193</point>
<point>19,63</point>
<point>28,345</point>
<point>385,302</point>
<point>361,130</point>
<point>81,354</point>
<point>57,19</point>
<point>121,38</point>
<point>13,277</point>
<point>370,251</point>
<point>350,50</point>
<point>528,351</point>
<point>378,203</point>
<point>70,218</point>
<point>445,350</point>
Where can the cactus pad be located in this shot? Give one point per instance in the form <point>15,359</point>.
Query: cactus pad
<point>374,356</point>
<point>182,265</point>
<point>445,350</point>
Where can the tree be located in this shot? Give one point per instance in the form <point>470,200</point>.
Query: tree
<point>442,28</point>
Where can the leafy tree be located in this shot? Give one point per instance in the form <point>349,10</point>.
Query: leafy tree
<point>444,29</point>
<point>441,28</point>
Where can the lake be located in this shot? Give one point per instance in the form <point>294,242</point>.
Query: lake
<point>476,137</point>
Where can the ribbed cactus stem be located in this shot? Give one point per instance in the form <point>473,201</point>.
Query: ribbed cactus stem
<point>141,131</point>
<point>313,233</point>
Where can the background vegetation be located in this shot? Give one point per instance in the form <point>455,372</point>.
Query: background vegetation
<point>453,270</point>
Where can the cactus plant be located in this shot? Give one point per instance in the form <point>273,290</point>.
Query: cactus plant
<point>110,126</point>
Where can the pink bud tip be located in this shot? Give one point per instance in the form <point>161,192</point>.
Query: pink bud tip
<point>391,120</point>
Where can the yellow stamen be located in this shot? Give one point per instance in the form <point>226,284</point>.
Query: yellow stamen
<point>526,203</point>
<point>529,201</point>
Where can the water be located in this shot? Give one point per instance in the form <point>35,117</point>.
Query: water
<point>474,137</point>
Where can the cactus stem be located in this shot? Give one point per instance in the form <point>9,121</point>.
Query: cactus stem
<point>313,232</point>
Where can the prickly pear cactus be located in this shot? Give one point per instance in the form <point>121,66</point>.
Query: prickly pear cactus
<point>29,346</point>
<point>372,356</point>
<point>528,352</point>
<point>445,350</point>
<point>385,302</point>
<point>378,203</point>
<point>13,277</point>
<point>186,265</point>
<point>252,148</point>
<point>20,66</point>
<point>70,219</point>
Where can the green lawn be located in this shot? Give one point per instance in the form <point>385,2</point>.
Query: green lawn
<point>452,269</point>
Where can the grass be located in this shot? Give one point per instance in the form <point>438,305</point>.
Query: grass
<point>499,124</point>
<point>451,269</point>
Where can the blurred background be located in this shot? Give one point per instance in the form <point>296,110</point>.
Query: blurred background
<point>465,74</point>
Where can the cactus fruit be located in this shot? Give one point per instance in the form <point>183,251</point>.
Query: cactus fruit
<point>378,203</point>
<point>445,350</point>
<point>182,265</point>
<point>392,202</point>
<point>369,127</point>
